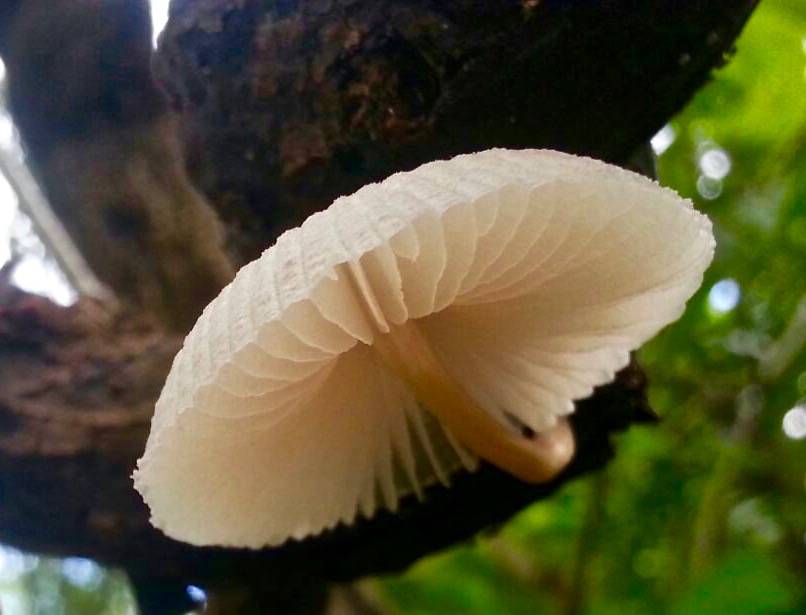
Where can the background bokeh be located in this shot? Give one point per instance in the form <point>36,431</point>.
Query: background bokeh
<point>705,513</point>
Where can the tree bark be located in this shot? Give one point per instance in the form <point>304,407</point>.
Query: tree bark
<point>278,107</point>
<point>106,148</point>
<point>287,105</point>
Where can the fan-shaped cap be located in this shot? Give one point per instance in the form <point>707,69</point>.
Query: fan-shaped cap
<point>532,275</point>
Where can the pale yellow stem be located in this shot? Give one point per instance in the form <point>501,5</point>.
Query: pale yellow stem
<point>535,459</point>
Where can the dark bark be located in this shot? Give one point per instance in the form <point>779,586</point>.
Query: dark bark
<point>287,105</point>
<point>283,105</point>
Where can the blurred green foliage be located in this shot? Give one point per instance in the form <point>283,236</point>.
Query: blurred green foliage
<point>705,513</point>
<point>32,585</point>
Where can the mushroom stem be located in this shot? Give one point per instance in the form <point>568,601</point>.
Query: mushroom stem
<point>535,459</point>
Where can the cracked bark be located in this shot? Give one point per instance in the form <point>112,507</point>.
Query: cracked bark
<point>278,107</point>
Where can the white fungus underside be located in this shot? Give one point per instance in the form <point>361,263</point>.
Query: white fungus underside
<point>533,274</point>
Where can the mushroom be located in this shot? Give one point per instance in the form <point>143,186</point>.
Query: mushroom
<point>445,315</point>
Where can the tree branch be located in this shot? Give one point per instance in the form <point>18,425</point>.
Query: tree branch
<point>289,105</point>
<point>107,152</point>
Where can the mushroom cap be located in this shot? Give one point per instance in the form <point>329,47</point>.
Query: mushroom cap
<point>532,273</point>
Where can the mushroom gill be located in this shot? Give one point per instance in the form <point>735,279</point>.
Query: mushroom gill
<point>531,457</point>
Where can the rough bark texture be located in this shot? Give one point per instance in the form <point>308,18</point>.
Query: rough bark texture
<point>287,105</point>
<point>283,105</point>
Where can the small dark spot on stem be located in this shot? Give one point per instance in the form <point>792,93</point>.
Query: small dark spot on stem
<point>519,426</point>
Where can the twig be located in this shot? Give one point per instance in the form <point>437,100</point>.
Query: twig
<point>50,230</point>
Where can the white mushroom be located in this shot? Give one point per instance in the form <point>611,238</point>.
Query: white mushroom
<point>442,315</point>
